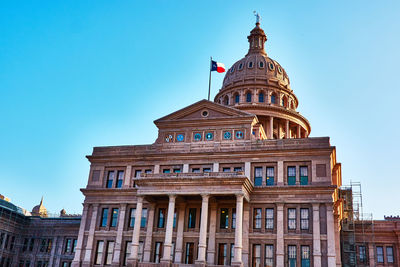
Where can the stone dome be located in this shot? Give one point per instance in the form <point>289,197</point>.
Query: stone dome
<point>260,85</point>
<point>39,210</point>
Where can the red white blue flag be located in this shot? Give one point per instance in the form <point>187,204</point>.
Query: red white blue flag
<point>216,66</point>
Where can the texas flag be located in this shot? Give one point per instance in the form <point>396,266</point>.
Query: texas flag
<point>216,66</point>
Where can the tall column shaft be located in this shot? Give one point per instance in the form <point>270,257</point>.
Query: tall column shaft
<point>201,258</point>
<point>169,229</point>
<point>238,231</point>
<point>132,261</point>
<point>298,131</point>
<point>280,254</point>
<point>330,236</point>
<point>211,235</point>
<point>271,128</point>
<point>149,234</point>
<point>316,235</point>
<point>179,234</point>
<point>287,130</point>
<point>92,228</point>
<point>81,235</point>
<point>118,240</point>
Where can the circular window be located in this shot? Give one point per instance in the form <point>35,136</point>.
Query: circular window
<point>204,113</point>
<point>240,66</point>
<point>227,135</point>
<point>261,64</point>
<point>232,69</point>
<point>209,136</point>
<point>180,138</point>
<point>271,66</point>
<point>250,64</point>
<point>279,69</point>
<point>197,136</point>
<point>239,134</point>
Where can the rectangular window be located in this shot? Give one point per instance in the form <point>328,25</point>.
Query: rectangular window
<point>303,175</point>
<point>222,254</point>
<point>292,219</point>
<point>226,169</point>
<point>174,221</point>
<point>224,219</point>
<point>256,255</point>
<point>120,179</point>
<point>305,256</point>
<point>362,254</point>
<point>257,219</point>
<point>304,219</point>
<point>127,254</point>
<point>270,176</point>
<point>389,254</point>
<point>138,173</point>
<point>143,219</point>
<point>206,169</point>
<point>196,170</point>
<point>104,218</point>
<point>157,252</point>
<point>232,253</point>
<point>258,176</point>
<point>147,171</point>
<point>269,255</point>
<point>74,242</point>
<point>166,171</point>
<point>233,218</point>
<point>109,252</point>
<point>269,219</point>
<point>132,217</point>
<point>177,170</point>
<point>161,218</point>
<point>292,258</point>
<point>379,254</point>
<point>192,218</point>
<point>291,175</point>
<point>114,217</point>
<point>189,253</point>
<point>99,252</point>
<point>110,179</point>
<point>237,169</point>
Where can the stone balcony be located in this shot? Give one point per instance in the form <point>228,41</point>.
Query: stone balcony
<point>213,183</point>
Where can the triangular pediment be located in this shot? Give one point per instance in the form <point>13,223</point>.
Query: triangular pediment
<point>204,110</point>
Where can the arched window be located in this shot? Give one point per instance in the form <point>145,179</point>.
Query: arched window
<point>226,100</point>
<point>248,97</point>
<point>273,99</point>
<point>237,98</point>
<point>284,101</point>
<point>261,97</point>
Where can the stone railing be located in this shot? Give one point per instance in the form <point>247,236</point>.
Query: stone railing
<point>191,175</point>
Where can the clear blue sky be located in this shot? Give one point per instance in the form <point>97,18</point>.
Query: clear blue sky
<point>78,74</point>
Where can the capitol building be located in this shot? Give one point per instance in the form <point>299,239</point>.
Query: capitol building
<point>232,182</point>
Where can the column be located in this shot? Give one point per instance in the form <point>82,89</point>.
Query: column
<point>279,130</point>
<point>237,260</point>
<point>298,131</point>
<point>287,130</point>
<point>280,180</point>
<point>330,236</point>
<point>53,251</point>
<point>211,249</point>
<point>128,175</point>
<point>280,251</point>
<point>201,257</point>
<point>118,240</point>
<point>168,230</point>
<point>81,235</point>
<point>371,253</point>
<point>179,233</point>
<point>316,235</point>
<point>92,228</point>
<point>245,225</point>
<point>133,259</point>
<point>271,127</point>
<point>247,169</point>
<point>149,234</point>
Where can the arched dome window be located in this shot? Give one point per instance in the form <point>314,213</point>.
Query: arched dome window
<point>226,100</point>
<point>273,98</point>
<point>248,97</point>
<point>261,97</point>
<point>284,101</point>
<point>237,98</point>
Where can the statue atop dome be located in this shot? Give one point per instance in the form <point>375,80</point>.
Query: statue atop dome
<point>258,17</point>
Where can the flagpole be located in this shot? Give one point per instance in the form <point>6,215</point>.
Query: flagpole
<point>209,80</point>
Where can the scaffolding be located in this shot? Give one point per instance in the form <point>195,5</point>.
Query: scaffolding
<point>355,225</point>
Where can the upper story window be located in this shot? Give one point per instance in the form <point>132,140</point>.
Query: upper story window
<point>248,97</point>
<point>192,218</point>
<point>269,255</point>
<point>256,255</point>
<point>115,178</point>
<point>292,257</point>
<point>261,64</point>
<point>303,175</point>
<point>226,169</point>
<point>379,254</point>
<point>270,180</point>
<point>240,66</point>
<point>110,179</point>
<point>257,218</point>
<point>161,218</point>
<point>114,217</point>
<point>258,176</point>
<point>250,64</point>
<point>291,175</point>
<point>304,219</point>
<point>389,254</point>
<point>233,218</point>
<point>292,219</point>
<point>305,255</point>
<point>362,254</point>
<point>104,217</point>
<point>269,218</point>
<point>99,252</point>
<point>261,97</point>
<point>237,98</point>
<point>273,99</point>
<point>68,245</point>
<point>224,218</point>
<point>166,171</point>
<point>232,69</point>
<point>120,179</point>
<point>109,252</point>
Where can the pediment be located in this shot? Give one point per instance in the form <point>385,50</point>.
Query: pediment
<point>204,110</point>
